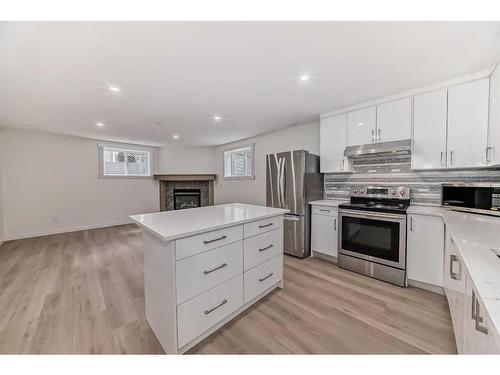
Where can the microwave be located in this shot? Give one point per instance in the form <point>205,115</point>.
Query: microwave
<point>481,198</point>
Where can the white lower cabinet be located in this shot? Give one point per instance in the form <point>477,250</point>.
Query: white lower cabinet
<point>425,249</point>
<point>454,286</point>
<point>324,234</point>
<point>262,277</point>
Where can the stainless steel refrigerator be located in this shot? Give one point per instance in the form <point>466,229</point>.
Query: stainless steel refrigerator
<point>293,180</point>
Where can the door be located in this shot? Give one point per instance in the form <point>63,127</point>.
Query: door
<point>285,181</point>
<point>468,124</point>
<point>332,143</point>
<point>377,237</point>
<point>294,229</point>
<point>429,130</point>
<point>361,126</point>
<point>425,249</point>
<point>494,125</point>
<point>324,238</point>
<point>394,121</point>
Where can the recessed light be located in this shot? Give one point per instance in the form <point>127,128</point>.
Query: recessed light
<point>114,89</point>
<point>217,118</point>
<point>100,124</point>
<point>175,136</point>
<point>304,78</point>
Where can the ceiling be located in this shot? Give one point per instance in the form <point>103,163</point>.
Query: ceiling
<point>175,77</point>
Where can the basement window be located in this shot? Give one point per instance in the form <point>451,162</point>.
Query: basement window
<point>124,162</point>
<point>239,163</point>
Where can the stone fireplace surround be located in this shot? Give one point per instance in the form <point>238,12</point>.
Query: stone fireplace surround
<point>169,182</point>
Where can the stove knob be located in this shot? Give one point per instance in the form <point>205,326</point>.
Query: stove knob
<point>355,191</point>
<point>402,192</point>
<point>394,192</point>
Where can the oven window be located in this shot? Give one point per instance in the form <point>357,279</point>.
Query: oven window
<point>376,238</point>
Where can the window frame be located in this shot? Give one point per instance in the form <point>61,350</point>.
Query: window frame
<point>124,148</point>
<point>233,148</point>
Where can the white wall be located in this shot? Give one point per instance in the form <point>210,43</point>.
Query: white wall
<point>304,137</point>
<point>178,159</point>
<point>50,184</point>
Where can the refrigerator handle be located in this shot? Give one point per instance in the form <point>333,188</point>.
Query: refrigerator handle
<point>281,179</point>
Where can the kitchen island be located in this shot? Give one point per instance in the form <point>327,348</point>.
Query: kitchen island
<point>204,266</point>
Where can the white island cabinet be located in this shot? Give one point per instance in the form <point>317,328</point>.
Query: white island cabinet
<point>204,266</point>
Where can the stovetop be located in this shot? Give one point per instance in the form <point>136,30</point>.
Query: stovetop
<point>391,199</point>
<point>378,206</point>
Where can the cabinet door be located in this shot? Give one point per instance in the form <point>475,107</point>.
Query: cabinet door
<point>468,124</point>
<point>479,337</point>
<point>494,126</point>
<point>394,120</point>
<point>361,126</point>
<point>425,249</point>
<point>454,287</point>
<point>333,140</point>
<point>429,130</point>
<point>324,234</point>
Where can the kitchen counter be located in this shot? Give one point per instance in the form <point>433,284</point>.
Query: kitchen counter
<point>329,202</point>
<point>475,236</point>
<point>204,266</point>
<point>171,225</point>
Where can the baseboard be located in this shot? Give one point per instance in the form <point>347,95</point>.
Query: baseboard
<point>329,258</point>
<point>64,230</point>
<point>429,287</point>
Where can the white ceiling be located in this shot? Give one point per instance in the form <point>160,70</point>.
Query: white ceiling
<point>175,76</point>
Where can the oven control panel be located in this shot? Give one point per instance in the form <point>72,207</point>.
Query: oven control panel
<point>388,192</point>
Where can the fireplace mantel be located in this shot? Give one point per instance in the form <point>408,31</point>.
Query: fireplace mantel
<point>175,179</point>
<point>185,177</point>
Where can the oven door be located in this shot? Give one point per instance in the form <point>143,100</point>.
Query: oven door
<point>373,236</point>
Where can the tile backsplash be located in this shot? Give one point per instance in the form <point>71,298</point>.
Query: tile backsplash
<point>425,185</point>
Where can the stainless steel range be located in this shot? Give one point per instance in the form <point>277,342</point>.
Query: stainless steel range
<point>372,232</point>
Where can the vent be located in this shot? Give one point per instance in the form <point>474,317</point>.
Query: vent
<point>382,149</point>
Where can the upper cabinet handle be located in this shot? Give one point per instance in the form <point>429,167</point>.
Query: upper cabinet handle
<point>379,135</point>
<point>373,136</point>
<point>451,157</point>
<point>206,242</point>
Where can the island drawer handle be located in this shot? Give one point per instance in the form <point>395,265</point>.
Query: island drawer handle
<point>320,210</point>
<point>265,248</point>
<point>453,275</point>
<point>224,301</point>
<point>206,242</point>
<point>267,277</point>
<point>265,225</point>
<point>206,272</point>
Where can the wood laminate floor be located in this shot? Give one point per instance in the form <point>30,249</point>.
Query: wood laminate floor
<point>82,292</point>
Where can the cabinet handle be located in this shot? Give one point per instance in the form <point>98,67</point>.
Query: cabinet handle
<point>224,301</point>
<point>265,248</point>
<point>451,157</point>
<point>453,275</point>
<point>442,154</point>
<point>479,320</point>
<point>206,272</point>
<point>335,224</point>
<point>379,135</point>
<point>343,165</point>
<point>215,239</point>
<point>488,159</point>
<point>265,225</point>
<point>266,277</point>
<point>373,136</point>
<point>411,223</point>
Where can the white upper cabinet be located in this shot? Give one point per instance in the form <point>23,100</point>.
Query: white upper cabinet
<point>494,130</point>
<point>468,124</point>
<point>361,126</point>
<point>429,130</point>
<point>394,121</point>
<point>333,140</point>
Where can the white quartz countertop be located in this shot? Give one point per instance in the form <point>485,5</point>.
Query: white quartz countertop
<point>171,225</point>
<point>329,202</point>
<point>425,210</point>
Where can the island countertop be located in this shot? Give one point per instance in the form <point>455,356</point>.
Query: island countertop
<point>171,225</point>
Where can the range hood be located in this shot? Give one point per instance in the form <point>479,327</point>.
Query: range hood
<point>382,149</point>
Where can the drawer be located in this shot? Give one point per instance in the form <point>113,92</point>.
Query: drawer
<point>262,277</point>
<point>201,272</point>
<point>186,247</point>
<point>323,210</point>
<point>259,249</point>
<point>262,226</point>
<point>201,313</point>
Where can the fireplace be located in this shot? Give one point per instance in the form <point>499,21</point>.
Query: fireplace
<point>187,198</point>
